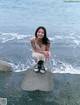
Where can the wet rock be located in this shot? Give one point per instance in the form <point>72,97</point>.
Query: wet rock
<point>5,66</point>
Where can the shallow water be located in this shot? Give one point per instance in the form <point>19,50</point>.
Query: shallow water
<point>66,90</point>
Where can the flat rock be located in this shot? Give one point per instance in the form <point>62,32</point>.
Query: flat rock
<point>5,66</point>
<point>37,81</point>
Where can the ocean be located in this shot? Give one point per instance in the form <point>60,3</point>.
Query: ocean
<point>20,18</point>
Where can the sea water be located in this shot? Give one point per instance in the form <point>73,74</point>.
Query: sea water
<point>18,22</point>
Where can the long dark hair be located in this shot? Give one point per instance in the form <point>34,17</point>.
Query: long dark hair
<point>45,40</point>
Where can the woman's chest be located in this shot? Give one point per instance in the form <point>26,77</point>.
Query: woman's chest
<point>40,46</point>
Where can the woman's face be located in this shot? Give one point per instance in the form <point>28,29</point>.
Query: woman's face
<point>40,33</point>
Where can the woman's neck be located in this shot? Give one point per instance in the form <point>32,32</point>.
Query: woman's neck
<point>39,40</point>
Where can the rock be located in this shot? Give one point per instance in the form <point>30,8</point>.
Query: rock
<point>37,81</point>
<point>5,66</point>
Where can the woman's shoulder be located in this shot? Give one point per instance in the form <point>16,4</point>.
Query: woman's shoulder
<point>33,39</point>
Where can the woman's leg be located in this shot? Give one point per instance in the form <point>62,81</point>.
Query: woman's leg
<point>38,56</point>
<point>42,62</point>
<point>39,59</point>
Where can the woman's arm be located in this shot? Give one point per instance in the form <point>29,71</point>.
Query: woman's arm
<point>48,47</point>
<point>33,46</point>
<point>46,52</point>
<point>33,43</point>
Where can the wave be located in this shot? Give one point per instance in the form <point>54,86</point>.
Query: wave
<point>59,67</point>
<point>65,68</point>
<point>6,37</point>
<point>56,66</point>
<point>71,39</point>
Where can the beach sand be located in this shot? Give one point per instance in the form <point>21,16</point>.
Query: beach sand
<point>66,90</point>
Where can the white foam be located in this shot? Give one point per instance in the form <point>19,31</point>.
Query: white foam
<point>19,67</point>
<point>72,38</point>
<point>66,68</point>
<point>77,42</point>
<point>5,37</point>
<point>57,67</point>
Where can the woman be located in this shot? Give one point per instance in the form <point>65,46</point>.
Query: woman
<point>41,49</point>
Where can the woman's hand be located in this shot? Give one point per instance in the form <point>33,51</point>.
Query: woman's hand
<point>47,54</point>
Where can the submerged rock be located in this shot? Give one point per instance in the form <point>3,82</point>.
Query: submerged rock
<point>5,66</point>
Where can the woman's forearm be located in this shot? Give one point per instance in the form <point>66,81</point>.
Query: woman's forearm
<point>39,51</point>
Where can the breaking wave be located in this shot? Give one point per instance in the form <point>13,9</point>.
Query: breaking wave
<point>56,66</point>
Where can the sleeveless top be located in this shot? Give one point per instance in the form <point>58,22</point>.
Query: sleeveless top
<point>42,47</point>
